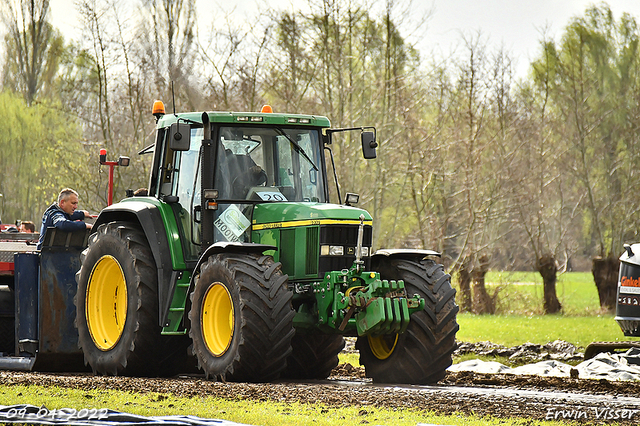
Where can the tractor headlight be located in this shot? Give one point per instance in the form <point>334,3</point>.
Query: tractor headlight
<point>331,251</point>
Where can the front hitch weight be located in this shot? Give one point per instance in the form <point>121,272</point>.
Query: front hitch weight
<point>378,306</point>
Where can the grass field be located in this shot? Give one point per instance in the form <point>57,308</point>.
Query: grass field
<point>520,293</point>
<point>251,412</point>
<point>514,330</point>
<point>520,320</point>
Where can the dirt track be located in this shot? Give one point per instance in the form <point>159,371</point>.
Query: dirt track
<point>486,395</point>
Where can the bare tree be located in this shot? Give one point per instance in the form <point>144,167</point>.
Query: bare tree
<point>33,47</point>
<point>289,81</point>
<point>93,15</point>
<point>545,208</point>
<point>168,35</point>
<point>233,59</point>
<point>479,157</point>
<point>595,70</point>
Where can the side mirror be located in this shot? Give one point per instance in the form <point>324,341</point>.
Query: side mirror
<point>369,144</point>
<point>180,137</point>
<point>326,138</point>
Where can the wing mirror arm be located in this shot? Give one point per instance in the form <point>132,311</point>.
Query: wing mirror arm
<point>368,138</point>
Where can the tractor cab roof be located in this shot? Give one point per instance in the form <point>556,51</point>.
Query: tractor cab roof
<point>250,118</point>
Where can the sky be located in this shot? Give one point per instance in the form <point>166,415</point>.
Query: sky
<point>517,25</point>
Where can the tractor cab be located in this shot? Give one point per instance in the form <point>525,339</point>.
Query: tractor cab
<point>247,159</point>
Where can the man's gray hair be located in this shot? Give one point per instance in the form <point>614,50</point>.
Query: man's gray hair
<point>65,194</point>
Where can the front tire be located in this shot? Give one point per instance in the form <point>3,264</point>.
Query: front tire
<point>241,318</point>
<point>117,302</point>
<point>422,354</point>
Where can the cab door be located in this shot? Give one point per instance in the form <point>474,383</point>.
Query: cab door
<point>185,186</point>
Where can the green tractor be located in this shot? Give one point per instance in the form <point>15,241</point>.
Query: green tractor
<point>236,262</point>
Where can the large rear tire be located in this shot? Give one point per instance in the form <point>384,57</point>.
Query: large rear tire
<point>422,354</point>
<point>241,318</point>
<point>313,356</point>
<point>117,303</point>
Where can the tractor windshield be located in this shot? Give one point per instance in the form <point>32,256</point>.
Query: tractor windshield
<point>269,164</point>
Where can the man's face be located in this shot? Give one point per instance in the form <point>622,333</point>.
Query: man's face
<point>70,204</point>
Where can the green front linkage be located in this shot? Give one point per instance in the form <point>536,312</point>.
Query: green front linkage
<point>354,299</point>
<point>350,299</point>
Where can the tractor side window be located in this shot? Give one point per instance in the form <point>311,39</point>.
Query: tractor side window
<point>165,160</point>
<point>285,165</point>
<point>185,187</point>
<point>309,176</point>
<point>187,166</point>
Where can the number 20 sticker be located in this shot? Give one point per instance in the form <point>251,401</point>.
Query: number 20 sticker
<point>271,196</point>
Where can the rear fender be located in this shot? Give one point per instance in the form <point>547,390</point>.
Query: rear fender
<point>149,218</point>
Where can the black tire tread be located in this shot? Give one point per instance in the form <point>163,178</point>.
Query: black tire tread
<point>313,356</point>
<point>423,352</point>
<point>143,347</point>
<point>263,333</point>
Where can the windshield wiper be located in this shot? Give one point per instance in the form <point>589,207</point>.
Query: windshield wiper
<point>297,147</point>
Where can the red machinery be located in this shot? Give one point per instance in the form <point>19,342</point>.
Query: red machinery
<point>122,161</point>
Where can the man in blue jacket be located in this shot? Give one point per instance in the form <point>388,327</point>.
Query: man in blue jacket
<point>63,215</point>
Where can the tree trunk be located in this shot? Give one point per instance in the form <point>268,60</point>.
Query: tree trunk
<point>605,274</point>
<point>483,303</point>
<point>465,288</point>
<point>547,267</point>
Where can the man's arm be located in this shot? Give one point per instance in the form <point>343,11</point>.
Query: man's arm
<point>64,224</point>
<point>79,215</point>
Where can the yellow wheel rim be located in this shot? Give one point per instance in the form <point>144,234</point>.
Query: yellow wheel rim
<point>106,303</point>
<point>217,319</point>
<point>382,346</point>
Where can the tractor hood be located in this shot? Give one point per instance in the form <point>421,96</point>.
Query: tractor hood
<point>285,215</point>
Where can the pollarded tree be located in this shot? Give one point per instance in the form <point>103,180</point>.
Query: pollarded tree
<point>479,157</point>
<point>596,77</point>
<point>545,204</point>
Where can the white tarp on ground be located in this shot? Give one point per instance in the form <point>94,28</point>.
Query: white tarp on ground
<point>603,366</point>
